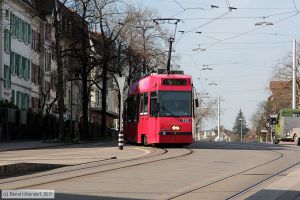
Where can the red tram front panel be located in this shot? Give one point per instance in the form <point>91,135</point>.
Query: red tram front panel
<point>159,110</point>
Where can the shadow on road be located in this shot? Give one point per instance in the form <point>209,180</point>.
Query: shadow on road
<point>19,146</point>
<point>64,196</point>
<point>239,146</point>
<point>275,194</point>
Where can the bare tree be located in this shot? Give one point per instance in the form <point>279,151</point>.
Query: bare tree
<point>283,72</point>
<point>260,116</point>
<point>111,17</point>
<point>71,43</point>
<point>205,112</point>
<point>57,9</point>
<point>148,39</point>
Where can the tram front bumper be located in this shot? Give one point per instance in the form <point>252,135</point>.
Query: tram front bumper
<point>175,137</point>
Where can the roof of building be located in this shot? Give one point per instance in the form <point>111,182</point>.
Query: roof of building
<point>279,84</point>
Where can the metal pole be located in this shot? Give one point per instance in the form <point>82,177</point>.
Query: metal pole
<point>294,76</point>
<point>120,135</point>
<point>241,130</point>
<point>171,40</point>
<point>1,43</point>
<point>219,118</point>
<point>121,139</point>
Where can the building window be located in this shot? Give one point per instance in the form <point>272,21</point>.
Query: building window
<point>48,61</point>
<point>70,28</point>
<point>7,77</point>
<point>24,31</point>
<point>12,24</point>
<point>34,74</point>
<point>13,98</point>
<point>18,99</point>
<point>48,32</point>
<point>28,33</point>
<point>35,41</point>
<point>18,27</point>
<point>47,89</point>
<point>98,97</point>
<point>22,100</point>
<point>25,101</point>
<point>12,62</point>
<point>7,40</point>
<point>53,82</point>
<point>24,67</point>
<point>18,64</point>
<point>7,14</point>
<point>28,69</point>
<point>34,103</point>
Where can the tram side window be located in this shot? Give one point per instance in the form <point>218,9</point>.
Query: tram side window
<point>132,108</point>
<point>135,108</point>
<point>129,109</point>
<point>144,104</point>
<point>153,104</point>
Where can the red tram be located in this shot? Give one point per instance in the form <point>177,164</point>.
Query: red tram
<point>158,110</point>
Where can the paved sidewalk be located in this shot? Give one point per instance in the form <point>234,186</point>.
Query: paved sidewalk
<point>21,145</point>
<point>287,187</point>
<point>61,153</point>
<point>17,158</point>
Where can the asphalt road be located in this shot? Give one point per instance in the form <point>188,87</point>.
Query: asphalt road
<point>201,171</point>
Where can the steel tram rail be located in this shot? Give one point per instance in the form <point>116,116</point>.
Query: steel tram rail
<point>227,177</point>
<point>165,151</point>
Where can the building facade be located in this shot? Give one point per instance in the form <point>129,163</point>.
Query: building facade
<point>28,64</point>
<point>281,94</point>
<point>17,52</point>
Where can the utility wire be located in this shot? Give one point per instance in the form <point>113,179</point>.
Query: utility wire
<point>295,6</point>
<point>179,4</point>
<point>210,21</point>
<point>247,32</point>
<point>243,17</point>
<point>278,34</point>
<point>240,8</point>
<point>246,48</point>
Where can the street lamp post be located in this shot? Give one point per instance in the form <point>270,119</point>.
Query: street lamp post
<point>264,22</point>
<point>241,129</point>
<point>218,118</point>
<point>206,67</point>
<point>294,76</point>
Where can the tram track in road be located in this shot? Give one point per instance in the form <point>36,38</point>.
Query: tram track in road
<point>226,178</point>
<point>82,170</point>
<point>261,182</point>
<point>237,195</point>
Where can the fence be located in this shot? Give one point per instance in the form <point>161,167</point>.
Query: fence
<point>18,124</point>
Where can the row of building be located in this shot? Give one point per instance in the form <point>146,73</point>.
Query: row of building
<point>28,63</point>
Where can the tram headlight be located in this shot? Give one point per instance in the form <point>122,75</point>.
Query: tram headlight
<point>175,128</point>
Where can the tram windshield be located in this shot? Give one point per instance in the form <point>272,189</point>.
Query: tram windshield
<point>175,103</point>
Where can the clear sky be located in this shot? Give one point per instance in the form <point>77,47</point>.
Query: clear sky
<point>241,54</point>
